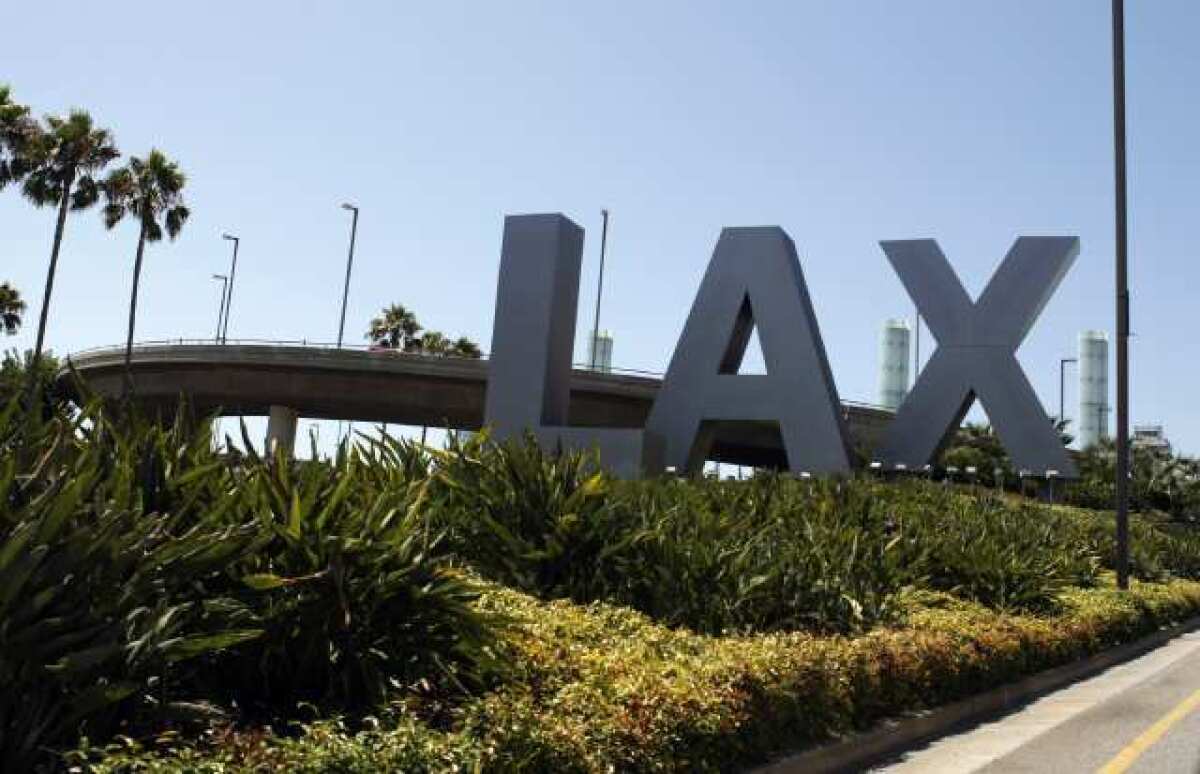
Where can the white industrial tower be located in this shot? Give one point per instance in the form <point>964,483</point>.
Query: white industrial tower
<point>600,352</point>
<point>893,363</point>
<point>1092,425</point>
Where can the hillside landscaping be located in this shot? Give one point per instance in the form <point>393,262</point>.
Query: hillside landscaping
<point>168,604</point>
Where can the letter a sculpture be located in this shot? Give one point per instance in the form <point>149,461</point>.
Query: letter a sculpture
<point>754,277</point>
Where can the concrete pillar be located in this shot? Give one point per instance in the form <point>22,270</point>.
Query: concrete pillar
<point>281,430</point>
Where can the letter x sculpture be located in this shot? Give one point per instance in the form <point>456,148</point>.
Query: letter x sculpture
<point>976,353</point>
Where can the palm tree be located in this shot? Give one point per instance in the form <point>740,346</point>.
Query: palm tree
<point>397,328</point>
<point>432,343</point>
<point>11,309</point>
<point>150,190</point>
<point>394,328</point>
<point>14,124</point>
<point>62,160</point>
<point>464,347</point>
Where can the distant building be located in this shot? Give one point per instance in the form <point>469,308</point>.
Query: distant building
<point>600,352</point>
<point>1150,437</point>
<point>893,363</point>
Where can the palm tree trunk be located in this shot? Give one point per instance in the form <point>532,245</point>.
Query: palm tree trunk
<point>59,228</point>
<point>137,277</point>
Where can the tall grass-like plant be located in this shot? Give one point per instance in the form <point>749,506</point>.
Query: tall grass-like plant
<point>773,553</point>
<point>352,587</point>
<point>768,554</point>
<point>531,520</point>
<point>148,579</point>
<point>145,576</point>
<point>103,603</point>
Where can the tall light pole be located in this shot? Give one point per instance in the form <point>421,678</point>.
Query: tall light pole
<point>229,291</point>
<point>1122,287</point>
<point>349,265</point>
<point>221,309</point>
<point>599,286</point>
<point>1062,386</point>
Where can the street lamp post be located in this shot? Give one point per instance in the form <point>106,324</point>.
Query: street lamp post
<point>1122,294</point>
<point>1062,372</point>
<point>229,290</point>
<point>349,265</point>
<point>599,285</point>
<point>221,309</point>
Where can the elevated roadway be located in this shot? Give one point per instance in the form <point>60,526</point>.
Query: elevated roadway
<point>286,380</point>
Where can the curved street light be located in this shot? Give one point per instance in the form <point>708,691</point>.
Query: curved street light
<point>349,266</point>
<point>221,309</point>
<point>229,291</point>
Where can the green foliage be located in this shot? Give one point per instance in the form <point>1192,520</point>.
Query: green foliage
<point>768,554</point>
<point>397,328</point>
<point>977,446</point>
<point>772,553</point>
<point>1160,481</point>
<point>150,582</point>
<point>104,602</point>
<point>63,158</point>
<point>354,597</point>
<point>1007,556</point>
<point>14,379</point>
<point>12,309</point>
<point>14,126</point>
<point>532,520</point>
<point>150,190</point>
<point>601,688</point>
<point>145,578</point>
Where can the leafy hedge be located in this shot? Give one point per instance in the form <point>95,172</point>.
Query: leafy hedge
<point>601,688</point>
<point>147,581</point>
<point>497,605</point>
<point>772,553</point>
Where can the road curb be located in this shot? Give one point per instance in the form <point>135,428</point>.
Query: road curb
<point>893,736</point>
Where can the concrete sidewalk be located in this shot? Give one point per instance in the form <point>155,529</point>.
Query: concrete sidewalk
<point>1141,716</point>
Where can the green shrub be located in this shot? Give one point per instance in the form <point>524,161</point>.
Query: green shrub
<point>149,581</point>
<point>351,586</point>
<point>1009,557</point>
<point>103,605</point>
<point>533,521</point>
<point>767,554</point>
<point>771,553</point>
<point>146,578</point>
<point>601,688</point>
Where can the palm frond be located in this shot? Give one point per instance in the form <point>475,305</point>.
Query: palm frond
<point>86,193</point>
<point>176,217</point>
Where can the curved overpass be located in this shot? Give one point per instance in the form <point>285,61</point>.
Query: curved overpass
<point>322,382</point>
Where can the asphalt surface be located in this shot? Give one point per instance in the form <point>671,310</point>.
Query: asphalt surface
<point>1139,717</point>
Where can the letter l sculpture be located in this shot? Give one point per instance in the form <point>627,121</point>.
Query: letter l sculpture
<point>533,336</point>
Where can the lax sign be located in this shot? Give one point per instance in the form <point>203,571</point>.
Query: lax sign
<point>753,280</point>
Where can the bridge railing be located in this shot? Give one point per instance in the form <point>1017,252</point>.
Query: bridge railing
<point>310,344</point>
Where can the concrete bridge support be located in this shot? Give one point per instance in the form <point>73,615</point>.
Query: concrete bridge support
<point>281,429</point>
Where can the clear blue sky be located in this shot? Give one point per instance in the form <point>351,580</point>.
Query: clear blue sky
<point>843,122</point>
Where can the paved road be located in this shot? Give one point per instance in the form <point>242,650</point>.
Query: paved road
<point>1139,717</point>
